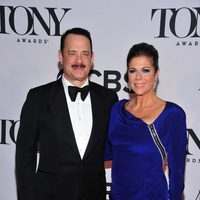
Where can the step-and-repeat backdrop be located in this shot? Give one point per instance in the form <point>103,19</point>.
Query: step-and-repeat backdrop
<point>29,42</point>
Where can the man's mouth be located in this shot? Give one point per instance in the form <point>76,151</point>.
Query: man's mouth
<point>78,66</point>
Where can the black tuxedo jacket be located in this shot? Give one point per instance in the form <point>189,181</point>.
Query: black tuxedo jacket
<point>61,173</point>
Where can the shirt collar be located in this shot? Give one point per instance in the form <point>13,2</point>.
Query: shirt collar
<point>66,83</point>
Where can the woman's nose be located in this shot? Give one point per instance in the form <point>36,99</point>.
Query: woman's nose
<point>138,75</point>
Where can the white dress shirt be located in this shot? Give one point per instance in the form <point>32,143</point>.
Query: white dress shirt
<point>81,117</point>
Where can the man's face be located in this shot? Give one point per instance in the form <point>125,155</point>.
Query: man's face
<point>77,59</point>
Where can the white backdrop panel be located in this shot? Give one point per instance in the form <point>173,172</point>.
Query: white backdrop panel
<point>29,60</point>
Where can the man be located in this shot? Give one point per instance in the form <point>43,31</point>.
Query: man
<point>70,131</point>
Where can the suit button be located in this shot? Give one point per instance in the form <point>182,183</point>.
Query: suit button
<point>81,166</point>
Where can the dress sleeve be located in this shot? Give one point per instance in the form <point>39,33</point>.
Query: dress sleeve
<point>177,154</point>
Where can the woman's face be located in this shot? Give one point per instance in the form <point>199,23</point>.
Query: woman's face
<point>141,75</point>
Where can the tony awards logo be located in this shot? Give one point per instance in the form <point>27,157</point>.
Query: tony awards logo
<point>31,22</point>
<point>181,23</point>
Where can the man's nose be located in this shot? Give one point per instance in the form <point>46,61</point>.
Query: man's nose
<point>79,58</point>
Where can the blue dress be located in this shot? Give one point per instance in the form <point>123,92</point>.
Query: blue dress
<point>137,165</point>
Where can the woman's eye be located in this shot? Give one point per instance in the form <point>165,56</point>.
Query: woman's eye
<point>146,70</point>
<point>132,71</point>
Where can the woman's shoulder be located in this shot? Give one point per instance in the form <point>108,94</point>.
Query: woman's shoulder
<point>175,108</point>
<point>120,103</point>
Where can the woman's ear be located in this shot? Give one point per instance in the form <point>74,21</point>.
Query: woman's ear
<point>157,74</point>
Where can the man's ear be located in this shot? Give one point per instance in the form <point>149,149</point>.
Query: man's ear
<point>92,58</point>
<point>60,57</point>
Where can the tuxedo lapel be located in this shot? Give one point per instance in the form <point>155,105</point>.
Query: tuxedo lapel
<point>58,104</point>
<point>97,114</point>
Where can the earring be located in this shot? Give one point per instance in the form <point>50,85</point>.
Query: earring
<point>156,84</point>
<point>129,88</point>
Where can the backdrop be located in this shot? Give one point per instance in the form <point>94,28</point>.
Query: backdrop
<point>29,42</point>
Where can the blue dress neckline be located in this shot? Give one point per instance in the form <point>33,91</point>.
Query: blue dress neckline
<point>131,117</point>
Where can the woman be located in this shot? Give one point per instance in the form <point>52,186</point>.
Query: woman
<point>144,132</point>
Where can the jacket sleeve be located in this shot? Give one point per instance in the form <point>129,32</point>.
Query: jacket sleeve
<point>108,150</point>
<point>108,145</point>
<point>26,148</point>
<point>177,155</point>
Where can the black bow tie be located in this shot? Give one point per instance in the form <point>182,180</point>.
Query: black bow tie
<point>73,91</point>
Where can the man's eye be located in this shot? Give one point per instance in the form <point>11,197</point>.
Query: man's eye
<point>71,53</point>
<point>85,54</point>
